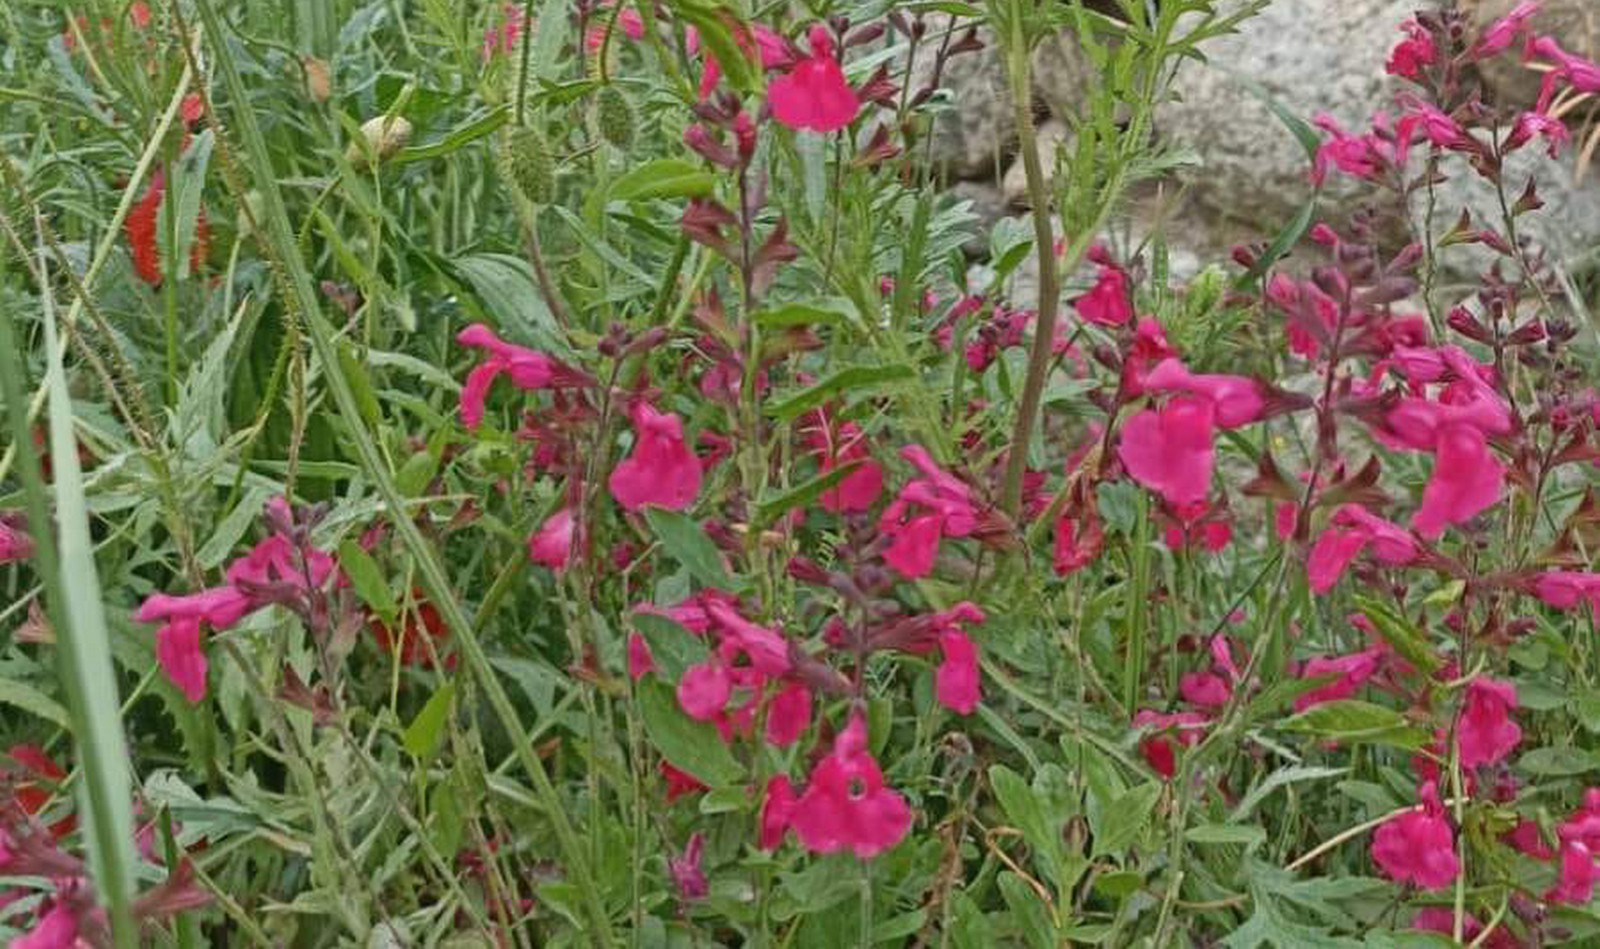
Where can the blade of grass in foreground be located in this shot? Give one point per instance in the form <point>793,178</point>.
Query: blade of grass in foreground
<point>280,238</point>
<point>65,561</point>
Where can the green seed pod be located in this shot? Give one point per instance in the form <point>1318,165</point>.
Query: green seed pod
<point>614,116</point>
<point>529,166</point>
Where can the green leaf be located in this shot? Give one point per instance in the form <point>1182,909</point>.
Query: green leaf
<point>1126,818</point>
<point>1349,720</point>
<point>845,380</point>
<point>673,648</point>
<point>368,580</point>
<point>1400,633</point>
<point>715,36</point>
<point>1277,779</point>
<point>788,315</point>
<point>457,138</point>
<point>687,542</point>
<point>1023,808</point>
<point>1558,762</point>
<point>772,508</point>
<point>510,293</point>
<point>360,384</point>
<point>24,696</point>
<point>663,178</point>
<point>690,746</point>
<point>1244,835</point>
<point>423,735</point>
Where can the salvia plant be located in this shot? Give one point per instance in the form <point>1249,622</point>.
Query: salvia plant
<point>546,473</point>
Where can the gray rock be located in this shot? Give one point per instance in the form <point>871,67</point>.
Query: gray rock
<point>1311,56</point>
<point>974,132</point>
<point>988,205</point>
<point>1061,72</point>
<point>1574,23</point>
<point>1014,186</point>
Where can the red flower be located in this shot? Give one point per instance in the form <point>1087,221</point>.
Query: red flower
<point>813,94</point>
<point>1235,400</point>
<point>15,544</point>
<point>789,715</point>
<point>956,682</point>
<point>140,226</point>
<point>662,470</point>
<point>422,623</point>
<point>680,783</point>
<point>1485,732</point>
<point>844,444</point>
<point>1504,31</point>
<point>846,805</point>
<point>1187,728</point>
<point>1575,885</point>
<point>640,661</point>
<point>777,810</point>
<point>1418,846</point>
<point>1078,541</point>
<point>1413,53</point>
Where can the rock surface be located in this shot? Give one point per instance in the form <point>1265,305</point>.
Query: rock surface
<point>1311,56</point>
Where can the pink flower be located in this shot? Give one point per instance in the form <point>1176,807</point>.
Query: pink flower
<point>1466,480</point>
<point>956,682</point>
<point>1504,31</point>
<point>1351,673</point>
<point>502,40</point>
<point>630,22</point>
<point>1352,530</point>
<point>178,647</point>
<point>1235,400</point>
<point>704,690</point>
<point>777,811</point>
<point>927,509</point>
<point>1565,589</point>
<point>1442,920</point>
<point>1531,125</point>
<point>1366,156</point>
<point>57,929</point>
<point>845,805</point>
<point>1205,690</point>
<point>1576,882</point>
<point>1584,825</point>
<point>1108,303</point>
<point>662,470</point>
<point>1186,727</point>
<point>1485,732</point>
<point>1413,53</point>
<point>181,656</point>
<point>789,715</point>
<point>1078,541</point>
<point>551,544</point>
<point>813,94</point>
<point>845,444</point>
<point>14,543</point>
<point>1169,449</point>
<point>528,369</point>
<point>1418,846</point>
<point>687,874</point>
<point>640,660</point>
<point>1526,839</point>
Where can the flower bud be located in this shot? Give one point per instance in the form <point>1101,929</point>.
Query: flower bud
<point>614,116</point>
<point>384,136</point>
<point>528,164</point>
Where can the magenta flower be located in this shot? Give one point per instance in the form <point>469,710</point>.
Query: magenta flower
<point>528,369</point>
<point>1466,480</point>
<point>1169,450</point>
<point>640,659</point>
<point>15,544</point>
<point>1565,589</point>
<point>1531,125</point>
<point>662,470</point>
<point>813,94</point>
<point>1485,732</point>
<point>551,544</point>
<point>178,641</point>
<point>56,929</point>
<point>777,810</point>
<point>1504,31</point>
<point>704,690</point>
<point>1205,690</point>
<point>845,444</point>
<point>956,682</point>
<point>1351,672</point>
<point>1235,400</point>
<point>687,874</point>
<point>789,715</point>
<point>1418,846</point>
<point>1575,885</point>
<point>1412,54</point>
<point>1078,541</point>
<point>927,509</point>
<point>1109,301</point>
<point>1352,530</point>
<point>845,805</point>
<point>1367,156</point>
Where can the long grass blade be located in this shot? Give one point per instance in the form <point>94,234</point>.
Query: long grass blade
<point>65,560</point>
